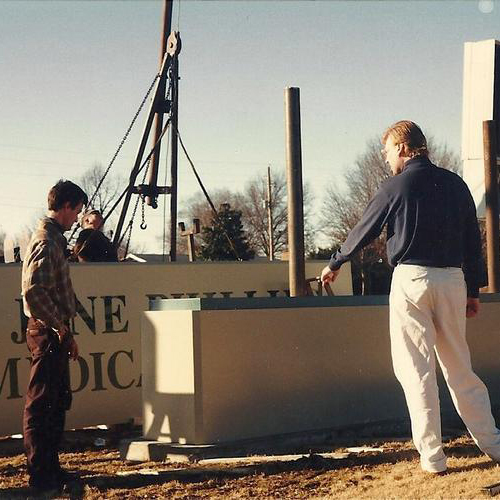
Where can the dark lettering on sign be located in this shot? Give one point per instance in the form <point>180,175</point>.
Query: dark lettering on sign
<point>153,296</point>
<point>109,314</point>
<point>113,378</point>
<point>20,338</point>
<point>139,384</point>
<point>99,382</point>
<point>88,319</point>
<point>98,385</point>
<point>11,372</point>
<point>84,375</point>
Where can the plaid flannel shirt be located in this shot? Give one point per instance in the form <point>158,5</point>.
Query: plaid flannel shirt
<point>46,285</point>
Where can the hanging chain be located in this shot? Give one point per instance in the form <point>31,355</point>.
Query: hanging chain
<point>143,224</point>
<point>170,85</point>
<point>125,137</point>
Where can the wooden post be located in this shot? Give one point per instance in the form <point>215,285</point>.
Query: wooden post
<point>190,236</point>
<point>160,109</point>
<point>296,263</point>
<point>491,205</point>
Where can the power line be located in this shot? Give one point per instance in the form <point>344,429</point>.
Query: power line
<point>23,146</point>
<point>18,205</point>
<point>67,164</point>
<point>228,162</point>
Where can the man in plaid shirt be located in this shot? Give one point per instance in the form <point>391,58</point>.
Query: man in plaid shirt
<point>49,303</point>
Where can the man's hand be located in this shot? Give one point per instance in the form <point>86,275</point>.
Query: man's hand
<point>329,276</point>
<point>62,332</point>
<point>472,307</point>
<point>73,349</point>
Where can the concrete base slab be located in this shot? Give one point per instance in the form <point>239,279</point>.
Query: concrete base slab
<point>155,451</point>
<point>296,444</point>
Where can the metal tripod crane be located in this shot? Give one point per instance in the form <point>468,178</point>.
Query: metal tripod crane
<point>165,100</point>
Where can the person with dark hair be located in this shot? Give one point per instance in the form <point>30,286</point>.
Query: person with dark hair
<point>93,246</point>
<point>66,192</point>
<point>434,243</point>
<point>49,303</point>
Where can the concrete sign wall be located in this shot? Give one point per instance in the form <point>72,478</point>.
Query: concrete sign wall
<point>299,365</point>
<point>481,101</point>
<point>106,379</point>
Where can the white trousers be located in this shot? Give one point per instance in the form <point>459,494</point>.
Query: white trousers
<point>427,319</point>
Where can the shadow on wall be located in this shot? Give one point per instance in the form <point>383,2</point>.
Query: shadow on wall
<point>175,427</point>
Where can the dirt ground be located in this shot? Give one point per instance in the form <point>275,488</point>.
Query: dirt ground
<point>386,469</point>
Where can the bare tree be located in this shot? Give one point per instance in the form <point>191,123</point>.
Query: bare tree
<point>440,154</point>
<point>103,195</point>
<point>109,190</point>
<point>255,216</point>
<point>3,235</point>
<point>341,211</point>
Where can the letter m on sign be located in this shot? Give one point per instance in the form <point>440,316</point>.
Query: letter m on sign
<point>10,373</point>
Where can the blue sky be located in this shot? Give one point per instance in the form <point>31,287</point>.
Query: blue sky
<point>74,72</point>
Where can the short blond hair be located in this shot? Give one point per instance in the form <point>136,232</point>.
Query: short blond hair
<point>410,134</point>
<point>86,217</point>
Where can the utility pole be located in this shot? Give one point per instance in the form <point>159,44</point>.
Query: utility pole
<point>296,264</point>
<point>270,214</point>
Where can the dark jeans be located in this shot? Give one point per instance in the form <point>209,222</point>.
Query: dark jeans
<point>47,399</point>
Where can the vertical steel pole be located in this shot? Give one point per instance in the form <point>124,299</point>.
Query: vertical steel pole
<point>155,159</point>
<point>491,202</point>
<point>296,265</point>
<point>270,214</point>
<point>173,159</point>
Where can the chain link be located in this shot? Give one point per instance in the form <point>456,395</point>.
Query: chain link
<point>143,224</point>
<point>170,85</point>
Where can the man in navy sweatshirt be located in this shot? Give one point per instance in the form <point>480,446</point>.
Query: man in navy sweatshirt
<point>433,241</point>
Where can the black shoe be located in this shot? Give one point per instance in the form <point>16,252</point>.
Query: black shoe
<point>48,490</point>
<point>65,476</point>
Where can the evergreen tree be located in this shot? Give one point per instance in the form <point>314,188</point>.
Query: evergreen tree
<point>227,225</point>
